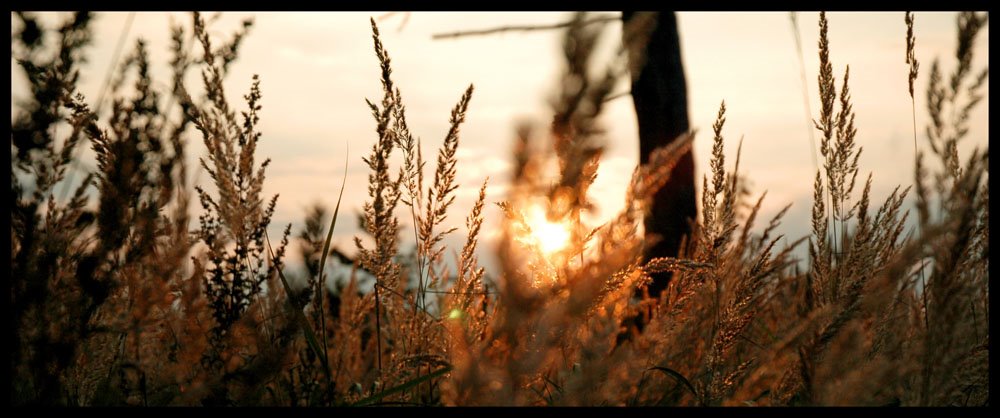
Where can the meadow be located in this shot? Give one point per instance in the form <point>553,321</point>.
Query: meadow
<point>123,295</point>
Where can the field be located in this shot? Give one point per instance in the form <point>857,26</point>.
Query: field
<point>137,287</point>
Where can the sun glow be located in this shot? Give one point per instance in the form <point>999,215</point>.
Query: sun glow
<point>551,237</point>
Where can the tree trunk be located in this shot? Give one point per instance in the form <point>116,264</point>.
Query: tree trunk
<point>660,95</point>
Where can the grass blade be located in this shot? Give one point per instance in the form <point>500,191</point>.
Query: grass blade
<point>322,263</point>
<point>333,222</point>
<point>300,317</point>
<point>680,378</point>
<point>407,385</point>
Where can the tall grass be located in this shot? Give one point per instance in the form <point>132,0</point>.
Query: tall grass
<point>117,301</point>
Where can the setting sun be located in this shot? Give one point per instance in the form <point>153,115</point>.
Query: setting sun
<point>551,237</point>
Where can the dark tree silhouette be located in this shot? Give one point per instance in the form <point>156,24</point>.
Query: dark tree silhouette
<point>659,92</point>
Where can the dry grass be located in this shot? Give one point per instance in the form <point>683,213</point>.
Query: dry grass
<point>115,301</point>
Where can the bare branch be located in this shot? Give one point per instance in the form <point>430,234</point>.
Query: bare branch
<point>402,24</point>
<point>526,28</point>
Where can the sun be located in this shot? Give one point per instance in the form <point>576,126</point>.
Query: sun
<point>551,237</point>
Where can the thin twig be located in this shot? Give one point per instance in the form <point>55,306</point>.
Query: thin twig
<point>805,89</point>
<point>393,292</point>
<point>378,327</point>
<point>447,292</point>
<point>525,28</point>
<point>76,164</point>
<point>617,96</point>
<point>911,61</point>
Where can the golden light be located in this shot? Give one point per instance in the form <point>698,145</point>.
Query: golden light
<point>551,237</point>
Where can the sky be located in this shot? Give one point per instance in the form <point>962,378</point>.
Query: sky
<point>316,70</point>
